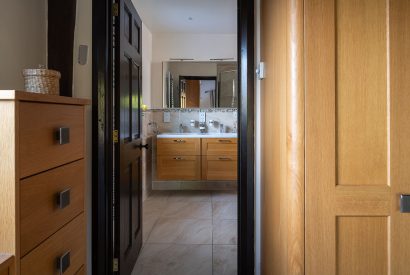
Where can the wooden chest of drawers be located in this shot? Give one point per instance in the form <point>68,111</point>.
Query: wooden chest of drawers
<point>42,217</point>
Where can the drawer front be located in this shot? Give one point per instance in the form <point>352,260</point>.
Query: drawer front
<point>219,146</point>
<point>39,125</point>
<point>43,259</point>
<point>219,167</point>
<point>41,215</point>
<point>179,168</point>
<point>178,147</point>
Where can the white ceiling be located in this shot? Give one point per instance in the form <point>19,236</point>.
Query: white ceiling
<point>208,16</point>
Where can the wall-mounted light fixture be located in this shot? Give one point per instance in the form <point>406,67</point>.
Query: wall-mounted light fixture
<point>222,59</point>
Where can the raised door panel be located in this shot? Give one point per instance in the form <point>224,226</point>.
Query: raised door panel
<point>357,136</point>
<point>179,147</point>
<point>41,215</point>
<point>39,147</point>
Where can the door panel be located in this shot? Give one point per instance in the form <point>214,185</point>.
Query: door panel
<point>357,136</point>
<point>128,157</point>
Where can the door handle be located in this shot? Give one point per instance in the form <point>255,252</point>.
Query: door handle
<point>404,203</point>
<point>140,146</point>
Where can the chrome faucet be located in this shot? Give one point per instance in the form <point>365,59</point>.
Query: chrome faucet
<point>181,128</point>
<point>202,127</point>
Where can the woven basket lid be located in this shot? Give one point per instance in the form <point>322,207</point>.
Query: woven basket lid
<point>41,72</point>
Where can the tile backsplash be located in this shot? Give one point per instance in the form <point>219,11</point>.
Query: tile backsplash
<point>153,120</point>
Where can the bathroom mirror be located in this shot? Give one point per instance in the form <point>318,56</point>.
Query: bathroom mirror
<point>200,84</point>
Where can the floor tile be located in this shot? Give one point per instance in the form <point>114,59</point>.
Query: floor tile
<point>225,232</point>
<point>175,259</point>
<point>222,210</point>
<point>182,231</point>
<point>148,223</point>
<point>190,196</point>
<point>225,260</point>
<point>225,195</point>
<point>188,210</point>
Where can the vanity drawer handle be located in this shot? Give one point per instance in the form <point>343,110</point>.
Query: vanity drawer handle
<point>63,262</point>
<point>225,141</point>
<point>179,140</point>
<point>63,135</point>
<point>178,158</point>
<point>63,198</point>
<point>225,158</point>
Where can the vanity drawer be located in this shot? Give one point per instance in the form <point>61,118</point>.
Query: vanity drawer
<point>43,259</point>
<point>219,167</point>
<point>40,213</point>
<point>39,124</point>
<point>220,146</point>
<point>179,168</point>
<point>178,147</point>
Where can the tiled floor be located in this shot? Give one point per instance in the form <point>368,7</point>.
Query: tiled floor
<point>189,232</point>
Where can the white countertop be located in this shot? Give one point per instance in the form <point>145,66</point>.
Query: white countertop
<point>198,135</point>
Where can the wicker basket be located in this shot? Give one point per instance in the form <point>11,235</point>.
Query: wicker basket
<point>42,81</point>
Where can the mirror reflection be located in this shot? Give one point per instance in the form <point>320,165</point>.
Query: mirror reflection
<point>200,84</point>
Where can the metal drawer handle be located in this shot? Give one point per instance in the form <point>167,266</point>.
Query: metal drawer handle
<point>179,140</point>
<point>63,135</point>
<point>225,141</point>
<point>63,198</point>
<point>178,158</point>
<point>224,158</point>
<point>404,203</point>
<point>63,262</point>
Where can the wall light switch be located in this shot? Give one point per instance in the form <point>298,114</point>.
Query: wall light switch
<point>202,117</point>
<point>167,117</point>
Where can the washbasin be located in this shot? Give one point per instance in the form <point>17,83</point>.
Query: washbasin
<point>197,135</point>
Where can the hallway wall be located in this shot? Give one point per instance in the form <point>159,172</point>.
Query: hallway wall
<point>23,43</point>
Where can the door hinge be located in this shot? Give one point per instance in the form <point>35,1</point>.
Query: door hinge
<point>115,136</point>
<point>115,265</point>
<point>115,9</point>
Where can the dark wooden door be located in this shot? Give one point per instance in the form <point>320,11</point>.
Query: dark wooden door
<point>128,162</point>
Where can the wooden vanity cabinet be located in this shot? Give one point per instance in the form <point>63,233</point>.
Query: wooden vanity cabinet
<point>219,158</point>
<point>42,182</point>
<point>179,159</point>
<point>197,159</point>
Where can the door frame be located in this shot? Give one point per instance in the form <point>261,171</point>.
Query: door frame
<point>102,142</point>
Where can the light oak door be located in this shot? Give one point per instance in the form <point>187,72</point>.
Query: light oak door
<point>357,136</point>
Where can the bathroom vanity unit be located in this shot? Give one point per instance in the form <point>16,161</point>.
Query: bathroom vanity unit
<point>197,157</point>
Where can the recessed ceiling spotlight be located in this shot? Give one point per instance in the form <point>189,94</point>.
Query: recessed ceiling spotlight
<point>190,18</point>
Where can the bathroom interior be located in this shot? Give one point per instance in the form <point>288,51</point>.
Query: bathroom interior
<point>190,125</point>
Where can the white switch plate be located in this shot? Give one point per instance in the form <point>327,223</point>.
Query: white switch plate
<point>260,71</point>
<point>202,117</point>
<point>167,117</point>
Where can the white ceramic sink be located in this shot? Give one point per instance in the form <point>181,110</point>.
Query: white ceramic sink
<point>197,135</point>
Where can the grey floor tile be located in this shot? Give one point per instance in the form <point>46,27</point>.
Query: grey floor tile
<point>225,260</point>
<point>222,210</point>
<point>174,259</point>
<point>188,210</point>
<point>182,231</point>
<point>225,196</point>
<point>190,196</point>
<point>225,232</point>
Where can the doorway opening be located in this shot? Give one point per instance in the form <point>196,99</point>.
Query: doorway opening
<point>106,135</point>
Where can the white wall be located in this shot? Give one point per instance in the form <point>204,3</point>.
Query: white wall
<point>200,47</point>
<point>82,87</point>
<point>146,65</point>
<point>23,40</point>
